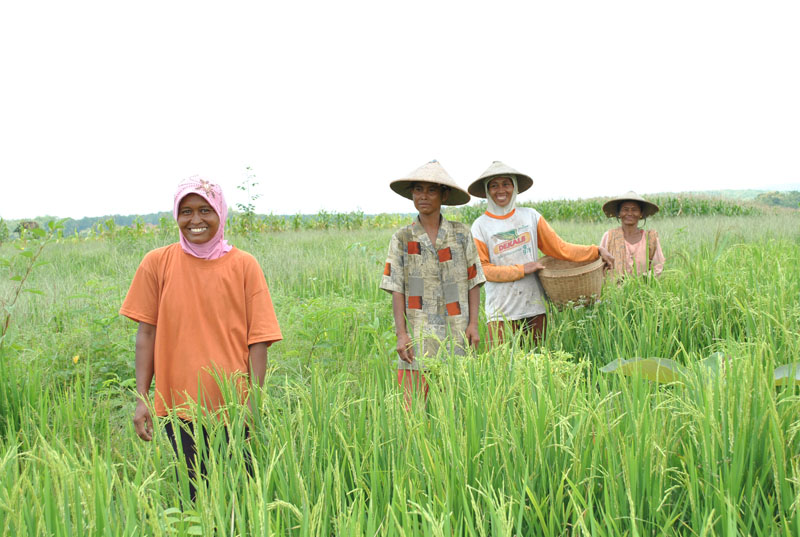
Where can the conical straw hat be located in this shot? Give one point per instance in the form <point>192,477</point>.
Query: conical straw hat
<point>497,168</point>
<point>432,172</point>
<point>611,207</point>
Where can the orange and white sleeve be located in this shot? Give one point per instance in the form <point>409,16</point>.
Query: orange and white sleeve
<point>554,246</point>
<point>497,273</point>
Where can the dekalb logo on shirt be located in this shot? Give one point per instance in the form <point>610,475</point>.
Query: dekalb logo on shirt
<point>513,243</point>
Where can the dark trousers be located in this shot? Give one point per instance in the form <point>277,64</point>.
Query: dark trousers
<point>188,450</point>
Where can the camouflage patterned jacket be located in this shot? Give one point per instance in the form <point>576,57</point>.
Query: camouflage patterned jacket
<point>435,281</point>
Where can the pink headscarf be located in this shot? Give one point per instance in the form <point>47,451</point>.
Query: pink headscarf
<point>217,246</point>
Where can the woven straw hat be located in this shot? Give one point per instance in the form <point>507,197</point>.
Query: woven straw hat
<point>611,207</point>
<point>498,168</point>
<point>432,172</point>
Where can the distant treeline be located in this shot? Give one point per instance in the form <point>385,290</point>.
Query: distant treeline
<point>72,226</point>
<point>759,196</point>
<point>585,210</point>
<point>780,199</point>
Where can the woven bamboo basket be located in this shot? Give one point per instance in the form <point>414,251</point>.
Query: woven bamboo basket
<point>568,281</point>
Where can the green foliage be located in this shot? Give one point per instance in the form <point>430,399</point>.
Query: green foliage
<point>4,233</point>
<point>511,442</point>
<point>245,221</point>
<point>591,210</point>
<point>84,225</point>
<point>19,268</point>
<point>465,213</point>
<point>588,210</point>
<point>670,206</point>
<point>29,250</point>
<point>742,194</point>
<point>323,220</point>
<point>247,186</point>
<point>789,199</point>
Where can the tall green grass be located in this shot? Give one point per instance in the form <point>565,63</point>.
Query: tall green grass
<point>511,442</point>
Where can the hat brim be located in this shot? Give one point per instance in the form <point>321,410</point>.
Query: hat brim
<point>457,196</point>
<point>478,190</point>
<point>611,207</point>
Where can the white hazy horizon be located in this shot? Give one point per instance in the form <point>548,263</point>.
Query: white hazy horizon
<point>105,107</point>
<point>408,209</point>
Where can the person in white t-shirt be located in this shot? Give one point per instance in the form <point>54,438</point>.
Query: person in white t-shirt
<point>509,239</point>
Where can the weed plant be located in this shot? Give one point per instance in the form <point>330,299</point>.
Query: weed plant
<point>514,441</point>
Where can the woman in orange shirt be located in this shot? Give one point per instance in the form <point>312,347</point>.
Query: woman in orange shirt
<point>204,311</point>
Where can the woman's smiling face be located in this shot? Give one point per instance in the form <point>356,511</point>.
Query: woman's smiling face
<point>501,189</point>
<point>630,213</point>
<point>197,220</point>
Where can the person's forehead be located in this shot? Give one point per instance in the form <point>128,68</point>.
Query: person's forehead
<point>500,179</point>
<point>425,184</point>
<point>194,200</point>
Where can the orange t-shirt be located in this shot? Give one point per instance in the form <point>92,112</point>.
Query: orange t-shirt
<point>206,313</point>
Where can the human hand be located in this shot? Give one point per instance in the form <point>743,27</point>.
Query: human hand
<point>405,348</point>
<point>143,421</point>
<point>531,267</point>
<point>608,259</point>
<point>472,336</point>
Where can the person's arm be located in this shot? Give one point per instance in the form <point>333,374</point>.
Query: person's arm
<point>658,258</point>
<point>145,365</point>
<point>393,281</point>
<point>405,348</point>
<point>605,253</point>
<point>257,361</point>
<point>474,298</point>
<point>498,273</point>
<point>554,246</point>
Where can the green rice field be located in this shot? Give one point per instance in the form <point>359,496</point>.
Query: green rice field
<point>513,441</point>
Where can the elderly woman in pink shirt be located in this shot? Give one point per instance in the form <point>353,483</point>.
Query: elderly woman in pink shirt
<point>635,250</point>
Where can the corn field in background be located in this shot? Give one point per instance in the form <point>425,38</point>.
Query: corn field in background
<point>582,210</point>
<point>515,441</point>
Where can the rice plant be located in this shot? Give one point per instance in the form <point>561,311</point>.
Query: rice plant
<point>513,441</point>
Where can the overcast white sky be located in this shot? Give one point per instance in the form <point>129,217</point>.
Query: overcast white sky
<point>105,106</point>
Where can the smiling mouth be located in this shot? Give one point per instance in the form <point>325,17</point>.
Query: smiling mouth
<point>198,229</point>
